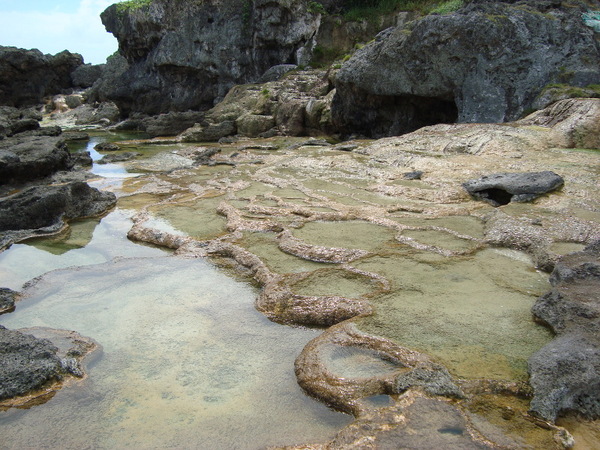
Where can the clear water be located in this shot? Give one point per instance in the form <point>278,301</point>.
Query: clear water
<point>187,363</point>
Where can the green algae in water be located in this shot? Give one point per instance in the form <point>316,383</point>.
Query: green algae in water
<point>440,239</point>
<point>265,246</point>
<point>350,234</point>
<point>187,363</point>
<point>459,313</point>
<point>198,219</point>
<point>335,282</point>
<point>465,225</point>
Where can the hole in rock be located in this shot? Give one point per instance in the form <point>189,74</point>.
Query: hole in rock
<point>498,197</point>
<point>452,430</point>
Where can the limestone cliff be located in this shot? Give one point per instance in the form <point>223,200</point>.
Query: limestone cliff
<point>185,54</point>
<point>484,63</point>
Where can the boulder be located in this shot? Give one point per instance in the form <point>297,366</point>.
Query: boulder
<point>486,62</point>
<point>86,75</point>
<point>107,147</point>
<point>118,157</point>
<point>565,374</point>
<point>209,132</point>
<point>502,188</point>
<point>50,206</point>
<point>27,76</point>
<point>170,124</point>
<point>26,158</point>
<point>26,363</point>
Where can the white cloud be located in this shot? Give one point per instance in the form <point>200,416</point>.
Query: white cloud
<point>80,31</point>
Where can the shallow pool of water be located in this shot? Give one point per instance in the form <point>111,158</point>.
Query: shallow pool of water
<point>187,363</point>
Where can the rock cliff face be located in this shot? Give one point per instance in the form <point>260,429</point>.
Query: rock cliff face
<point>27,76</point>
<point>485,63</point>
<point>185,54</point>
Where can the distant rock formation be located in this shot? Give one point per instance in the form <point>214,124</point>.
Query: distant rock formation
<point>484,63</point>
<point>183,56</point>
<point>27,76</point>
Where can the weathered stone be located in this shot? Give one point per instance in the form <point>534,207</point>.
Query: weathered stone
<point>86,75</point>
<point>47,206</point>
<point>486,62</point>
<point>209,132</point>
<point>252,125</point>
<point>7,300</point>
<point>185,55</point>
<point>107,147</point>
<point>503,188</point>
<point>26,363</point>
<point>170,124</point>
<point>32,157</point>
<point>118,157</point>
<point>276,72</point>
<point>73,101</point>
<point>27,76</point>
<point>565,374</point>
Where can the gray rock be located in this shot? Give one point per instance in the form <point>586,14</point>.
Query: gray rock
<point>86,75</point>
<point>7,300</point>
<point>46,206</point>
<point>118,157</point>
<point>27,76</point>
<point>415,175</point>
<point>107,147</point>
<point>209,132</point>
<point>276,72</point>
<point>25,158</point>
<point>503,188</point>
<point>433,378</point>
<point>170,124</point>
<point>565,374</point>
<point>26,363</point>
<point>73,101</point>
<point>182,56</point>
<point>484,63</point>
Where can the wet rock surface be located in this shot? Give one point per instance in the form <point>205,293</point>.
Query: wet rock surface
<point>502,188</point>
<point>36,361</point>
<point>565,374</point>
<point>26,158</point>
<point>44,209</point>
<point>27,363</point>
<point>486,62</point>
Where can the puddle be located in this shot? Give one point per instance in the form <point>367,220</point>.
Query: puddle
<point>348,234</point>
<point>472,313</point>
<point>188,363</point>
<point>88,242</point>
<point>355,362</point>
<point>335,282</point>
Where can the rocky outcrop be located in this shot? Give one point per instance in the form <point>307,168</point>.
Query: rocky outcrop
<point>34,362</point>
<point>26,158</point>
<point>44,209</point>
<point>484,63</point>
<point>296,105</point>
<point>184,55</point>
<point>502,188</point>
<point>27,363</point>
<point>565,374</point>
<point>27,76</point>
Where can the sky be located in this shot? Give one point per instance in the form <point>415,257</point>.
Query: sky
<point>56,25</point>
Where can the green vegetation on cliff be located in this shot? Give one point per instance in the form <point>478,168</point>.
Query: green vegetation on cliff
<point>357,10</point>
<point>130,5</point>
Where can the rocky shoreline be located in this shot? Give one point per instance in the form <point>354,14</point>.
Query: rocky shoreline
<point>440,100</point>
